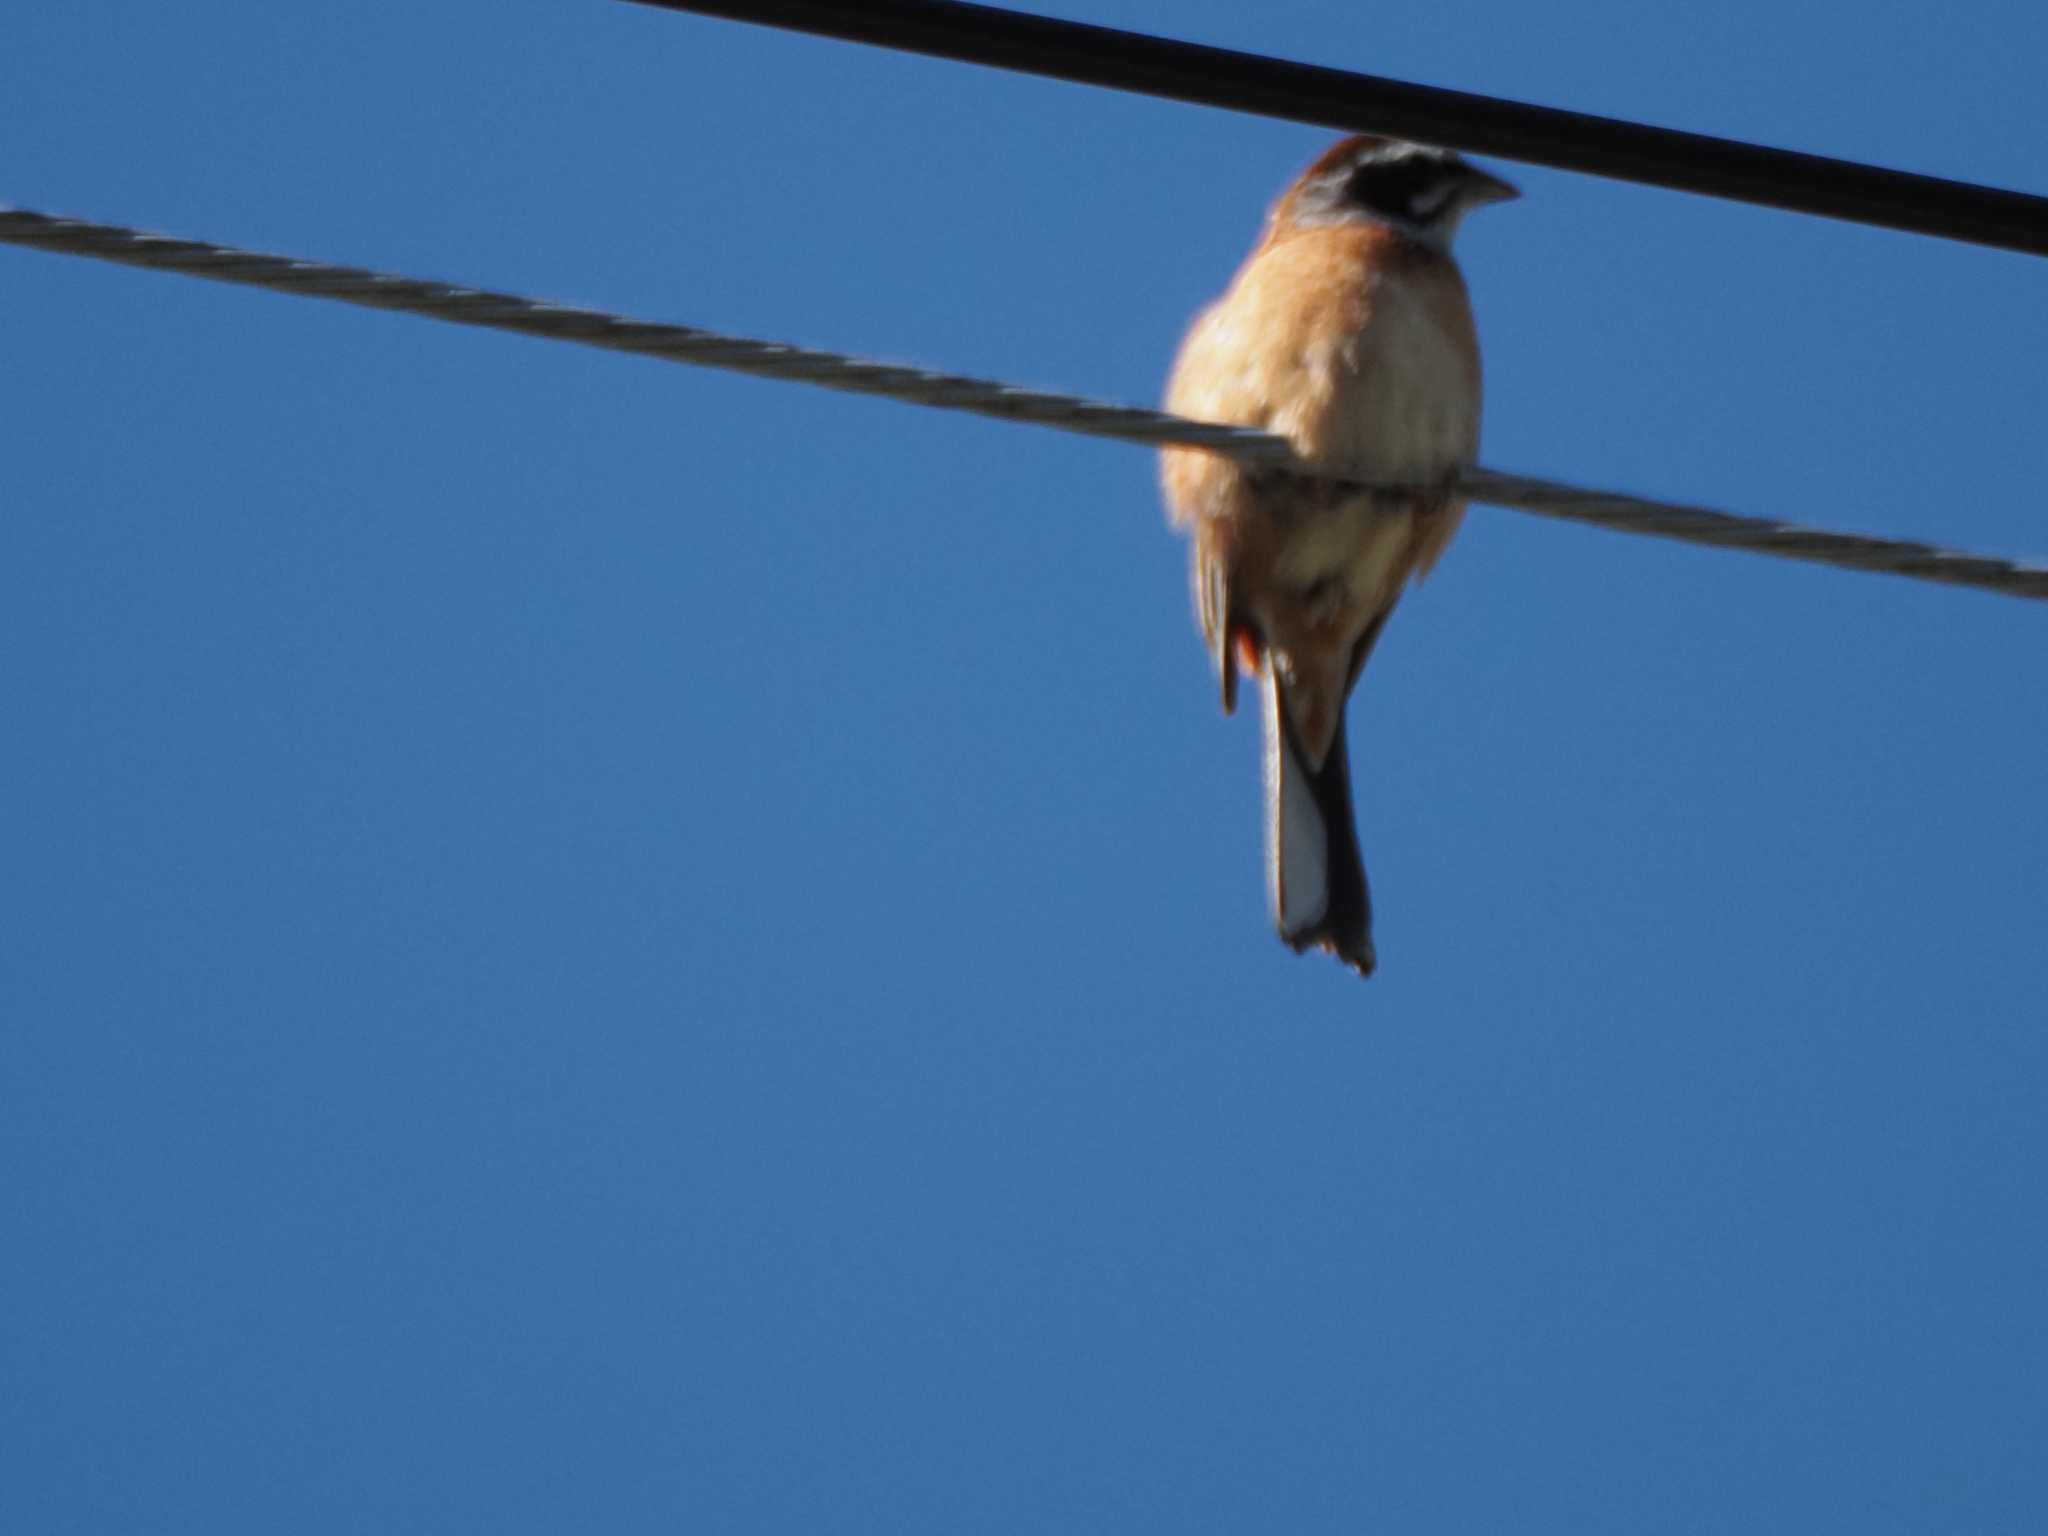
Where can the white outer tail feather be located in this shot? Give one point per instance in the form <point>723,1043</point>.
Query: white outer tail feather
<point>1297,863</point>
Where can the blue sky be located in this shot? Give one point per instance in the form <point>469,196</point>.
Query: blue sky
<point>593,945</point>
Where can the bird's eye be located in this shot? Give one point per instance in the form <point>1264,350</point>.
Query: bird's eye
<point>1428,200</point>
<point>1411,189</point>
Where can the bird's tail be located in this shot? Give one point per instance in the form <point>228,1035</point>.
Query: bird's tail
<point>1316,876</point>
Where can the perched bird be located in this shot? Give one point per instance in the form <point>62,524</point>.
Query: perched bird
<point>1348,332</point>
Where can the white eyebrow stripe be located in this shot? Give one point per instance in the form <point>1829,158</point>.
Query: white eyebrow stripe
<point>1387,153</point>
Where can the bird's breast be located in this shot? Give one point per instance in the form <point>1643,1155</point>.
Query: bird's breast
<point>1396,393</point>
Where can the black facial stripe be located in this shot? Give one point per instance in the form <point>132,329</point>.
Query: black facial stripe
<point>1414,188</point>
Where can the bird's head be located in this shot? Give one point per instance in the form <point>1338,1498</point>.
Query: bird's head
<point>1423,191</point>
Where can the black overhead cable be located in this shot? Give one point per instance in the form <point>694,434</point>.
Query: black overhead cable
<point>1338,98</point>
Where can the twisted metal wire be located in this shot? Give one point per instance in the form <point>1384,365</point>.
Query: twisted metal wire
<point>985,397</point>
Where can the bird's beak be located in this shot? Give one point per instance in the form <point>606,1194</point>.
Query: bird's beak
<point>1490,189</point>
